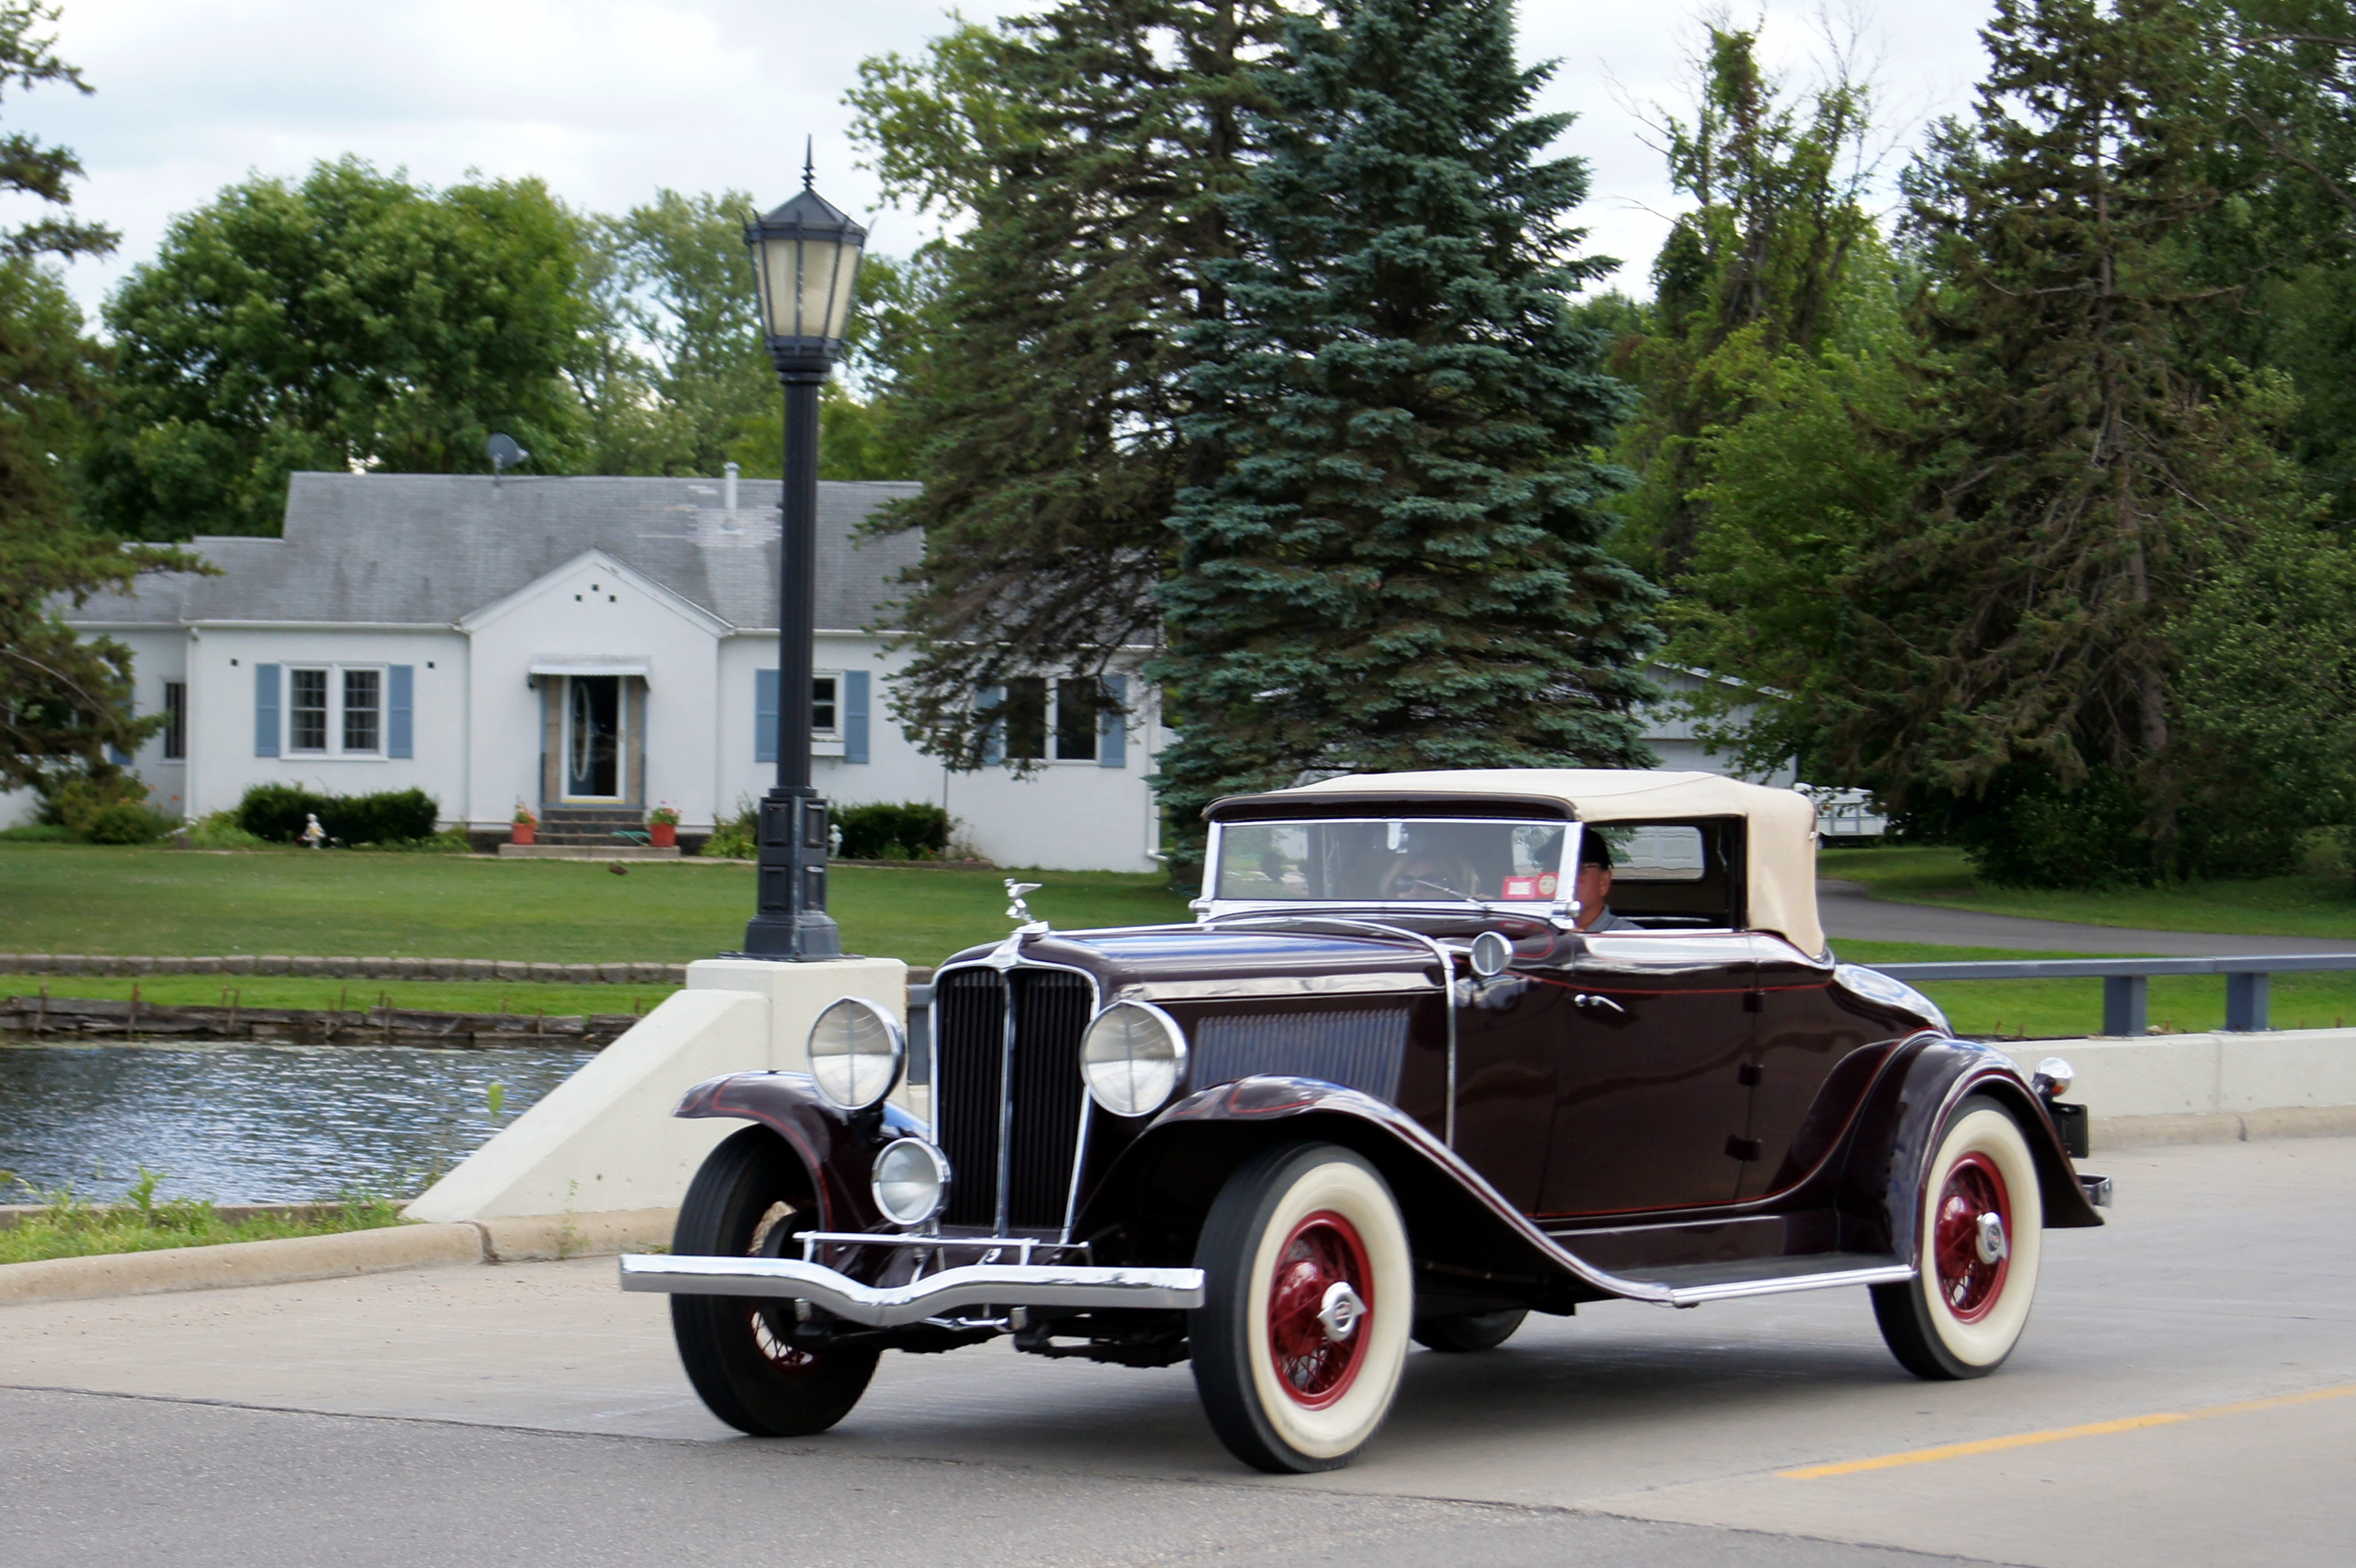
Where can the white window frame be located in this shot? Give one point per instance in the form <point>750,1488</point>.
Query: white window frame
<point>335,750</point>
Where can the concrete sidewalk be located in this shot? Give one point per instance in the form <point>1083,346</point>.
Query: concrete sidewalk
<point>1849,910</point>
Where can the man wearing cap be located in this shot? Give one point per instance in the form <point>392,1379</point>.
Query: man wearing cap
<point>1595,884</point>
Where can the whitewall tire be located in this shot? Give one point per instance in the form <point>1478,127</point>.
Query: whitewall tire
<point>1982,1233</point>
<point>1309,1295</point>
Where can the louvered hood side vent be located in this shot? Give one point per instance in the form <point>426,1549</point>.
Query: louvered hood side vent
<point>1359,1050</point>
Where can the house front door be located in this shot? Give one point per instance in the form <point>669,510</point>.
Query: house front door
<point>594,719</point>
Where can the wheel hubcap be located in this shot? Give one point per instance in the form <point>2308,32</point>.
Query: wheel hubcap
<point>1320,1294</point>
<point>1969,1237</point>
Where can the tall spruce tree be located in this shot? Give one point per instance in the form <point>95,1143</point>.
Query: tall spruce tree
<point>1089,148</point>
<point>1402,564</point>
<point>2016,613</point>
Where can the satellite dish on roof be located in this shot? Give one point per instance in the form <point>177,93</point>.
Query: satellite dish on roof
<point>503,453</point>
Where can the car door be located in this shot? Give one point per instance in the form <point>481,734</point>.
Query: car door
<point>1650,1101</point>
<point>1817,1052</point>
<point>1506,1034</point>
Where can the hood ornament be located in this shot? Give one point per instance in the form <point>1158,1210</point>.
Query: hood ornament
<point>1008,954</point>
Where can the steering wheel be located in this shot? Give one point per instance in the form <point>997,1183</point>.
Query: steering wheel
<point>1402,884</point>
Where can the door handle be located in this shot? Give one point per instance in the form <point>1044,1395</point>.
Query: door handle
<point>1584,999</point>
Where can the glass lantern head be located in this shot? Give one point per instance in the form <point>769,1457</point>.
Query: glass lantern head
<point>806,255</point>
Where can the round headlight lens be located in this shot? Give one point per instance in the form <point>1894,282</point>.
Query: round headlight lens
<point>855,1048</point>
<point>1132,1058</point>
<point>911,1181</point>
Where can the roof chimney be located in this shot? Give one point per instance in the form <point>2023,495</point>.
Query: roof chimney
<point>728,495</point>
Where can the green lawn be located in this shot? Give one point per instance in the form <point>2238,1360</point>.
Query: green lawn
<point>2320,904</point>
<point>286,991</point>
<point>75,898</point>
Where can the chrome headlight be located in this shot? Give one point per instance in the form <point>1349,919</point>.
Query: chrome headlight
<point>1875,986</point>
<point>1132,1058</point>
<point>911,1181</point>
<point>855,1051</point>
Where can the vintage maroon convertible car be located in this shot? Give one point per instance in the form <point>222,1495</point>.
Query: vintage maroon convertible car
<point>1395,1082</point>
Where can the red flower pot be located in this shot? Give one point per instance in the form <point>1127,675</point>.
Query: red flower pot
<point>664,834</point>
<point>523,832</point>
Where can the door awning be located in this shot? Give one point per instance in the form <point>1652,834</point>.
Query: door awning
<point>638,665</point>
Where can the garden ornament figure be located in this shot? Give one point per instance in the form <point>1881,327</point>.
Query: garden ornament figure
<point>313,834</point>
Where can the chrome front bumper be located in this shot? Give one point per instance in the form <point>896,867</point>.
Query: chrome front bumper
<point>887,1307</point>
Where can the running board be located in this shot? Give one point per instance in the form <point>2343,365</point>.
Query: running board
<point>1691,1285</point>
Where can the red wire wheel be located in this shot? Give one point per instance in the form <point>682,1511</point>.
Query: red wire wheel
<point>1968,1283</point>
<point>1316,1368</point>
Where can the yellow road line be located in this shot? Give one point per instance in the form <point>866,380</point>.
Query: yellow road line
<point>2062,1434</point>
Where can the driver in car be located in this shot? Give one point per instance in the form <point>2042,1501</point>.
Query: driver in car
<point>1595,884</point>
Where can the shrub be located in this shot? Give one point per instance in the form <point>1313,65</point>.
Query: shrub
<point>124,823</point>
<point>736,838</point>
<point>912,830</point>
<point>74,799</point>
<point>278,814</point>
<point>39,833</point>
<point>219,830</point>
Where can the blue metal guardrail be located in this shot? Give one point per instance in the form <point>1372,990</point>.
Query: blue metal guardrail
<point>2127,989</point>
<point>2127,982</point>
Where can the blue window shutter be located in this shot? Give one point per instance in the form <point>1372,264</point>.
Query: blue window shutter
<point>993,744</point>
<point>764,716</point>
<point>265,711</point>
<point>400,685</point>
<point>854,715</point>
<point>1112,724</point>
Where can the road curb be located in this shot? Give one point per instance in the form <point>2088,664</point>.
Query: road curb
<point>2110,1133</point>
<point>293,1260</point>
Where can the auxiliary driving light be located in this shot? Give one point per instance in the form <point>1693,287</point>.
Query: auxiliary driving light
<point>911,1181</point>
<point>1132,1058</point>
<point>856,1051</point>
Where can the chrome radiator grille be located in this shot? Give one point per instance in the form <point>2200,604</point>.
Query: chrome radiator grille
<point>974,1083</point>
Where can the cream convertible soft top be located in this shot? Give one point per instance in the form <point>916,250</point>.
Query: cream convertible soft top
<point>1781,876</point>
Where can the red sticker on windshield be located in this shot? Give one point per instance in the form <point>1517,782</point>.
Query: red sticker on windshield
<point>1527,887</point>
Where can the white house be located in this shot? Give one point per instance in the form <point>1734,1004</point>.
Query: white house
<point>600,646</point>
<point>592,644</point>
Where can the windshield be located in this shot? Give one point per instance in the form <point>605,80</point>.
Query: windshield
<point>1415,860</point>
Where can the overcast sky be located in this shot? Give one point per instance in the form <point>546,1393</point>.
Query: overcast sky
<point>608,100</point>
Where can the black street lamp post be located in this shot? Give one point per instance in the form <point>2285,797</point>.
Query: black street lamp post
<point>806,255</point>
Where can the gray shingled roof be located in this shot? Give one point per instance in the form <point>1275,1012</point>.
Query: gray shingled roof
<point>428,549</point>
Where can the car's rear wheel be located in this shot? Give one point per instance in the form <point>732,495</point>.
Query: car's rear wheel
<point>1983,1231</point>
<point>1469,1331</point>
<point>1308,1296</point>
<point>749,1200</point>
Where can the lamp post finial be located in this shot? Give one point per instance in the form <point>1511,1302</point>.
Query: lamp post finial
<point>809,162</point>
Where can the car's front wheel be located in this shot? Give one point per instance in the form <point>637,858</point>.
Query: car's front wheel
<point>749,1200</point>
<point>1308,1297</point>
<point>1983,1231</point>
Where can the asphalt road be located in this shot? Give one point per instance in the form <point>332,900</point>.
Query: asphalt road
<point>1848,911</point>
<point>533,1413</point>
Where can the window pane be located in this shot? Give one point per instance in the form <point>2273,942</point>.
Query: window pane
<point>1077,702</point>
<point>1411,861</point>
<point>1026,719</point>
<point>822,718</point>
<point>360,710</point>
<point>306,710</point>
<point>175,724</point>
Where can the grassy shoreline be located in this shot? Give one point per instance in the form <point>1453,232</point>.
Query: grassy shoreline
<point>65,1228</point>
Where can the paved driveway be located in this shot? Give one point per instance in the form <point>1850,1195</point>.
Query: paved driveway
<point>1849,911</point>
<point>2186,1394</point>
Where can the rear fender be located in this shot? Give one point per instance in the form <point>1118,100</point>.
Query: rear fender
<point>837,1147</point>
<point>1897,1135</point>
<point>1162,1185</point>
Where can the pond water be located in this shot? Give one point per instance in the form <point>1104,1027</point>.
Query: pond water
<point>241,1122</point>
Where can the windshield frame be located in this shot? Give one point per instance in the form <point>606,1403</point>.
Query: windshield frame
<point>1210,906</point>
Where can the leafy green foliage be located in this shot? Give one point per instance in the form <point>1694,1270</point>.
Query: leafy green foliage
<point>912,830</point>
<point>279,814</point>
<point>65,1226</point>
<point>1401,561</point>
<point>1089,149</point>
<point>353,321</point>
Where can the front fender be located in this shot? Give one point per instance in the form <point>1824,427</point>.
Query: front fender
<point>836,1147</point>
<point>1897,1134</point>
<point>1162,1185</point>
